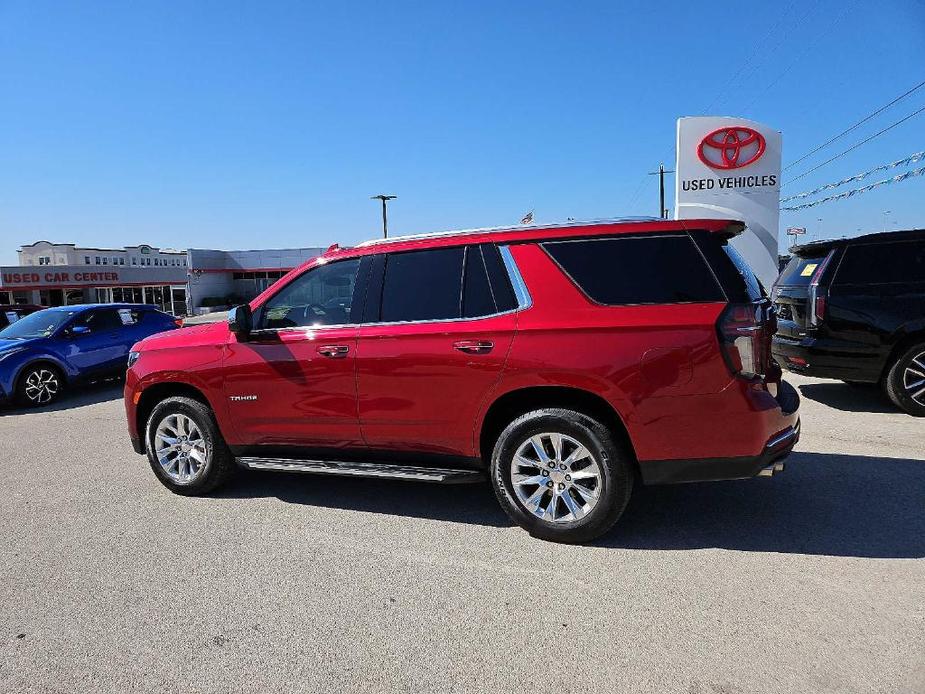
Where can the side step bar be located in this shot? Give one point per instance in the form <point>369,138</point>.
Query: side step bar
<point>394,471</point>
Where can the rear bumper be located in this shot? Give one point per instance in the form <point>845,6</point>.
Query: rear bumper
<point>777,447</point>
<point>826,359</point>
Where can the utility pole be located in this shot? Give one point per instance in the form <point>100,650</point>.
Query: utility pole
<point>385,217</point>
<point>662,210</point>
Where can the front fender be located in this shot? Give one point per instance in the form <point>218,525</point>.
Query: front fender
<point>13,367</point>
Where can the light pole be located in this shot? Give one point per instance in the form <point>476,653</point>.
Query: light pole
<point>385,216</point>
<point>662,210</point>
<point>885,213</point>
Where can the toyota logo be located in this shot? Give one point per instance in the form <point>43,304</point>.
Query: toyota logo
<point>731,148</point>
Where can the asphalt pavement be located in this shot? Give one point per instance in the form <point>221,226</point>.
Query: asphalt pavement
<point>812,581</point>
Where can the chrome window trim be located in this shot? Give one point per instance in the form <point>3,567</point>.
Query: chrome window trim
<point>308,328</point>
<point>521,293</point>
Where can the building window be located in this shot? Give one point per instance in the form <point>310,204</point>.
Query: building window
<point>105,260</point>
<point>86,260</point>
<point>44,260</point>
<point>122,261</point>
<point>134,260</point>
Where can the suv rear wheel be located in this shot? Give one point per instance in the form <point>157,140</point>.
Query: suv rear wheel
<point>185,448</point>
<point>561,475</point>
<point>905,380</point>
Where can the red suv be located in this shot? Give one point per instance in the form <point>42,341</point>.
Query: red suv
<point>565,362</point>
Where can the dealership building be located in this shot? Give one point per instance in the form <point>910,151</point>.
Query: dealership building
<point>180,282</point>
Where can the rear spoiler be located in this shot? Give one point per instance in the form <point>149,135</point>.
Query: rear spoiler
<point>725,228</point>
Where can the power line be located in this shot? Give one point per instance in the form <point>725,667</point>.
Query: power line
<point>854,147</point>
<point>856,125</point>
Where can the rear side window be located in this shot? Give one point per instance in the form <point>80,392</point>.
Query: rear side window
<point>501,288</point>
<point>637,270</point>
<point>422,285</point>
<point>882,263</point>
<point>477,298</point>
<point>101,320</point>
<point>800,269</point>
<point>445,284</point>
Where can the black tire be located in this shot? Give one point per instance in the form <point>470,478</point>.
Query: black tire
<point>615,480</point>
<point>902,374</point>
<point>39,385</point>
<point>219,464</point>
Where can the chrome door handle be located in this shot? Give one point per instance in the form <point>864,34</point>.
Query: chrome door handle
<point>333,351</point>
<point>474,346</point>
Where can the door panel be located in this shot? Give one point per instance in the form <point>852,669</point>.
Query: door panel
<point>293,382</point>
<point>101,349</point>
<point>294,387</point>
<point>420,385</point>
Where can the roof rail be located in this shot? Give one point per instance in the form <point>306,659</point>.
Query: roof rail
<point>513,227</point>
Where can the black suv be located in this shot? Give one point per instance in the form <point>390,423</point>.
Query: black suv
<point>854,309</point>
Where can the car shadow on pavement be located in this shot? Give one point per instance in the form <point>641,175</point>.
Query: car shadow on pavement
<point>849,398</point>
<point>460,503</point>
<point>79,396</point>
<point>822,504</point>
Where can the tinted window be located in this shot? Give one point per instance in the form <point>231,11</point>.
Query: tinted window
<point>477,297</point>
<point>500,281</point>
<point>321,296</point>
<point>422,285</point>
<point>637,270</point>
<point>102,320</point>
<point>880,263</point>
<point>800,269</point>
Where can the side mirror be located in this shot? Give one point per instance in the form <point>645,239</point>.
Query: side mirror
<point>77,330</point>
<point>240,321</point>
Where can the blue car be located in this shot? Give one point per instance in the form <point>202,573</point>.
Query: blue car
<point>45,351</point>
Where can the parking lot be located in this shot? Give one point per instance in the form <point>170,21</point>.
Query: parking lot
<point>813,581</point>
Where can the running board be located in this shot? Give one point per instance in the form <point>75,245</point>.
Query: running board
<point>393,471</point>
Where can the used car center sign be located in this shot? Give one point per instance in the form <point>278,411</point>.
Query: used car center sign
<point>729,168</point>
<point>64,276</point>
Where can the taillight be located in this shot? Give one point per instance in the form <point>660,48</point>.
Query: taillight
<point>178,322</point>
<point>817,295</point>
<point>745,335</point>
<point>818,308</point>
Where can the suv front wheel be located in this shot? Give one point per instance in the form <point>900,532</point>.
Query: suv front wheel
<point>561,475</point>
<point>185,448</point>
<point>905,380</point>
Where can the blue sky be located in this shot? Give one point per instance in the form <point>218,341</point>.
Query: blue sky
<point>239,125</point>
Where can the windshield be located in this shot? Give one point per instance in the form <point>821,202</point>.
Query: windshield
<point>39,324</point>
<point>800,269</point>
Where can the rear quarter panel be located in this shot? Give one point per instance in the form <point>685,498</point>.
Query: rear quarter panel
<point>659,366</point>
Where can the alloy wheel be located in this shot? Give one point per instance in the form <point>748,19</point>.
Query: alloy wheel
<point>42,386</point>
<point>180,449</point>
<point>914,379</point>
<point>556,478</point>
